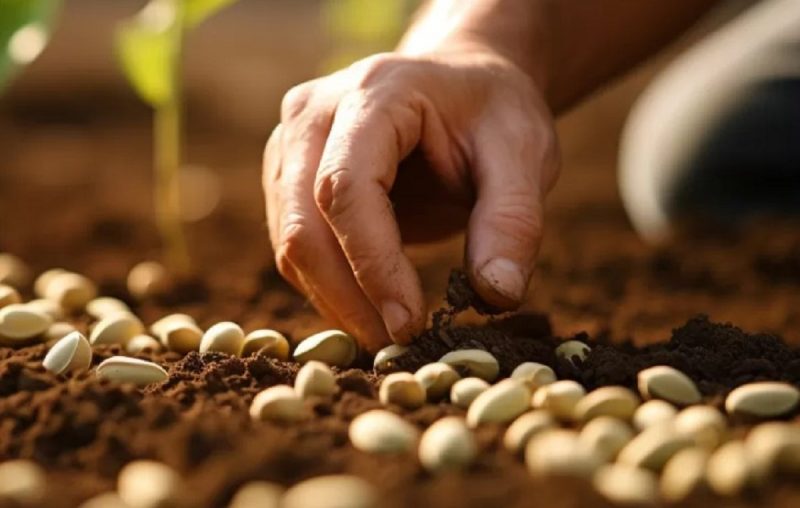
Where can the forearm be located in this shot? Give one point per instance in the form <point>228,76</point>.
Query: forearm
<point>568,47</point>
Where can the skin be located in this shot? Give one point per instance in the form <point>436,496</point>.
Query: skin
<point>453,131</point>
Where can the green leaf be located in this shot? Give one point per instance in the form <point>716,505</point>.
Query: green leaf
<point>24,31</point>
<point>197,11</point>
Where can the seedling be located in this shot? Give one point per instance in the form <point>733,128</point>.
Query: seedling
<point>150,49</point>
<point>24,32</point>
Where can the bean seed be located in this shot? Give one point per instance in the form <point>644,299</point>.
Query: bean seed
<point>668,383</point>
<point>18,322</point>
<point>43,281</point>
<point>278,403</point>
<point>729,469</point>
<point>381,431</point>
<point>560,398</point>
<point>499,404</point>
<point>477,362</point>
<point>525,427</point>
<point>315,378</point>
<point>653,412</point>
<point>605,436</point>
<point>385,357</point>
<point>48,307</point>
<point>178,332</point>
<point>159,327</point>
<point>572,349</point>
<point>270,343</point>
<point>684,473</point>
<point>71,291</point>
<point>534,374</point>
<point>765,399</point>
<point>122,369</point>
<point>105,500</point>
<point>465,391</point>
<point>333,347</point>
<point>403,389</point>
<point>148,279</point>
<point>334,491</point>
<point>56,332</point>
<point>139,343</point>
<point>8,295</point>
<point>22,482</point>
<point>224,337</point>
<point>625,485</point>
<point>257,494</point>
<point>616,401</point>
<point>559,452</point>
<point>105,305</point>
<point>774,447</point>
<point>72,353</point>
<point>116,328</point>
<point>653,447</point>
<point>437,379</point>
<point>704,424</point>
<point>447,445</point>
<point>149,484</point>
<point>13,271</point>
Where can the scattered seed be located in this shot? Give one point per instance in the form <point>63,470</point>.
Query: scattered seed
<point>706,425</point>
<point>8,295</point>
<point>315,378</point>
<point>403,389</point>
<point>605,436</point>
<point>48,307</point>
<point>105,500</point>
<point>56,332</point>
<point>560,398</point>
<point>105,305</point>
<point>684,473</point>
<point>571,349</point>
<point>224,337</point>
<point>384,357</point>
<point>278,403</point>
<point>653,412</point>
<point>22,482</point>
<point>13,271</point>
<point>668,383</point>
<point>122,369</point>
<point>476,362</point>
<point>139,343</point>
<point>447,445</point>
<point>71,291</point>
<point>559,452</point>
<point>148,279</point>
<point>72,353</point>
<point>257,494</point>
<point>766,399</point>
<point>334,491</point>
<point>437,379</point>
<point>267,342</point>
<point>333,347</point>
<point>149,484</point>
<point>116,328</point>
<point>43,280</point>
<point>535,375</point>
<point>159,327</point>
<point>381,431</point>
<point>616,401</point>
<point>465,391</point>
<point>653,447</point>
<point>499,404</point>
<point>19,322</point>
<point>525,427</point>
<point>178,332</point>
<point>774,447</point>
<point>625,485</point>
<point>729,470</point>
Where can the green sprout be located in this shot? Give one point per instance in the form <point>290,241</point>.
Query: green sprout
<point>24,31</point>
<point>150,48</point>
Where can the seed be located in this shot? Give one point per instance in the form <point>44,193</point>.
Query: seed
<point>534,374</point>
<point>653,412</point>
<point>116,328</point>
<point>105,305</point>
<point>765,399</point>
<point>159,327</point>
<point>71,291</point>
<point>56,332</point>
<point>381,431</point>
<point>559,452</point>
<point>333,491</point>
<point>684,473</point>
<point>384,357</point>
<point>616,401</point>
<point>149,484</point>
<point>560,398</point>
<point>623,484</point>
<point>43,281</point>
<point>13,271</point>
<point>605,436</point>
<point>499,404</point>
<point>447,445</point>
<point>653,447</point>
<point>139,343</point>
<point>178,332</point>
<point>48,307</point>
<point>437,379</point>
<point>257,494</point>
<point>105,500</point>
<point>774,447</point>
<point>122,369</point>
<point>572,349</point>
<point>403,389</point>
<point>315,378</point>
<point>148,279</point>
<point>704,424</point>
<point>18,322</point>
<point>668,383</point>
<point>72,353</point>
<point>224,337</point>
<point>729,470</point>
<point>465,391</point>
<point>278,403</point>
<point>525,427</point>
<point>270,343</point>
<point>22,482</point>
<point>8,295</point>
<point>477,362</point>
<point>333,347</point>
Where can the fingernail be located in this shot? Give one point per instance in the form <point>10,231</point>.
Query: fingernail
<point>506,277</point>
<point>395,316</point>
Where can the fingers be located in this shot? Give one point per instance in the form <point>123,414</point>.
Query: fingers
<point>515,167</point>
<point>357,169</point>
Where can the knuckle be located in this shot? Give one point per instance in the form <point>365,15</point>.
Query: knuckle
<point>295,100</point>
<point>292,244</point>
<point>374,68</point>
<point>518,218</point>
<point>335,191</point>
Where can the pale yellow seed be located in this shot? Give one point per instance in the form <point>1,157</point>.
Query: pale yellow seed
<point>626,485</point>
<point>559,452</point>
<point>333,347</point>
<point>278,403</point>
<point>122,369</point>
<point>159,327</point>
<point>437,379</point>
<point>266,342</point>
<point>525,427</point>
<point>13,271</point>
<point>534,374</point>
<point>385,357</point>
<point>447,445</point>
<point>105,305</point>
<point>465,391</point>
<point>149,484</point>
<point>178,332</point>
<point>139,343</point>
<point>315,378</point>
<point>148,279</point>
<point>56,332</point>
<point>43,281</point>
<point>402,389</point>
<point>668,383</point>
<point>48,307</point>
<point>616,401</point>
<point>605,436</point>
<point>684,474</point>
<point>560,398</point>
<point>706,425</point>
<point>381,431</point>
<point>730,470</point>
<point>224,337</point>
<point>572,349</point>
<point>116,328</point>
<point>774,447</point>
<point>334,491</point>
<point>766,399</point>
<point>499,404</point>
<point>22,482</point>
<point>8,295</point>
<point>652,448</point>
<point>106,500</point>
<point>71,354</point>
<point>71,291</point>
<point>653,412</point>
<point>18,322</point>
<point>257,494</point>
<point>476,362</point>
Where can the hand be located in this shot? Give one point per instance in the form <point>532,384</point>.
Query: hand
<point>423,145</point>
